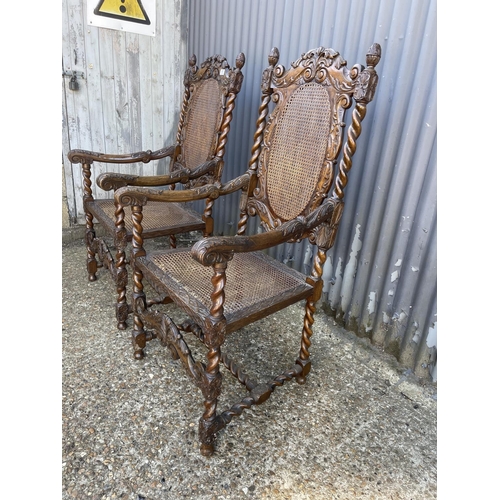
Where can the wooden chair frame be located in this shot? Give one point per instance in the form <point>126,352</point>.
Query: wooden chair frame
<point>215,258</point>
<point>183,170</point>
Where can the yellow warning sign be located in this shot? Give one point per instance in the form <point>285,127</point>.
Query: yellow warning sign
<point>127,10</point>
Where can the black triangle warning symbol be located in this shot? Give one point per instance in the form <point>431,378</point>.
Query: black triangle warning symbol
<point>126,10</point>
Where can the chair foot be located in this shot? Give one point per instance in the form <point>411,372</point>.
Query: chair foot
<point>139,354</point>
<point>138,343</point>
<point>207,450</point>
<point>91,264</point>
<point>122,325</point>
<point>306,368</point>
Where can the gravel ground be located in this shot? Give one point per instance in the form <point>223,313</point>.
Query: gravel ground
<point>361,427</point>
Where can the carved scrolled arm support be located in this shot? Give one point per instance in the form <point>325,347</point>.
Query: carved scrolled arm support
<point>140,195</point>
<point>207,256</point>
<point>209,251</point>
<point>128,196</point>
<point>112,181</point>
<point>83,156</point>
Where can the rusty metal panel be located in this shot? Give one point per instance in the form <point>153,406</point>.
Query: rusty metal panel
<point>380,277</point>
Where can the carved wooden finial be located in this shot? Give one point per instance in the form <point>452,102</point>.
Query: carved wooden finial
<point>240,60</point>
<point>273,56</point>
<point>373,55</point>
<point>192,61</point>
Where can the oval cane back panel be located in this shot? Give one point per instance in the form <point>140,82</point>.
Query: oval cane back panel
<point>298,150</point>
<point>202,124</point>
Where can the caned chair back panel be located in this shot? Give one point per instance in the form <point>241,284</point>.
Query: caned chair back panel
<point>298,147</point>
<point>302,136</point>
<point>202,123</point>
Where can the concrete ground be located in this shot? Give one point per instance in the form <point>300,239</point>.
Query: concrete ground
<point>361,427</point>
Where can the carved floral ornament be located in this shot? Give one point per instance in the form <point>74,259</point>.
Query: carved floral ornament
<point>326,64</point>
<point>216,67</point>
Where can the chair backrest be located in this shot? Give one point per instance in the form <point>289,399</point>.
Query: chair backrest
<point>206,112</point>
<point>296,150</point>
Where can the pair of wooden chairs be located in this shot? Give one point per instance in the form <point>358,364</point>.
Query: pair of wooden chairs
<point>224,283</point>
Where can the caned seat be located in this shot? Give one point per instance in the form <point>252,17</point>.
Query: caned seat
<point>295,183</point>
<point>195,159</point>
<point>160,219</point>
<point>182,275</point>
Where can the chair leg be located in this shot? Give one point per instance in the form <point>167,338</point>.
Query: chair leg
<point>173,241</point>
<point>303,359</point>
<point>211,388</point>
<point>89,222</point>
<point>139,304</point>
<point>89,239</point>
<point>122,309</point>
<point>138,337</point>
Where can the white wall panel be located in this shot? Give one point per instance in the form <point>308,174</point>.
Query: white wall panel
<point>130,94</point>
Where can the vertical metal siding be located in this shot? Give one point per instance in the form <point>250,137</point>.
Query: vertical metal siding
<point>380,277</point>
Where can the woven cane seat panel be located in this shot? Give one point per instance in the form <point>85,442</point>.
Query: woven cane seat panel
<point>201,124</point>
<point>298,151</point>
<point>156,215</point>
<point>251,278</point>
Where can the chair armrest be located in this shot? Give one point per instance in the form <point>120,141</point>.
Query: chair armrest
<point>139,196</point>
<point>113,180</point>
<point>82,156</point>
<point>215,249</point>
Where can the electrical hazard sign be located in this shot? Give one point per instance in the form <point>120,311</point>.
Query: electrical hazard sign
<point>136,16</point>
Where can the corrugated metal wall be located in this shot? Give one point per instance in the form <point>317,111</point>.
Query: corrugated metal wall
<point>380,278</point>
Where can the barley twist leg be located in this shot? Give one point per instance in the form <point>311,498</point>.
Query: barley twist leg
<point>138,296</point>
<point>89,223</point>
<point>212,392</point>
<point>303,360</point>
<point>121,275</point>
<point>213,379</point>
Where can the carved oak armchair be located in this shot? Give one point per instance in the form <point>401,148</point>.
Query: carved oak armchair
<point>226,283</point>
<point>196,159</point>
